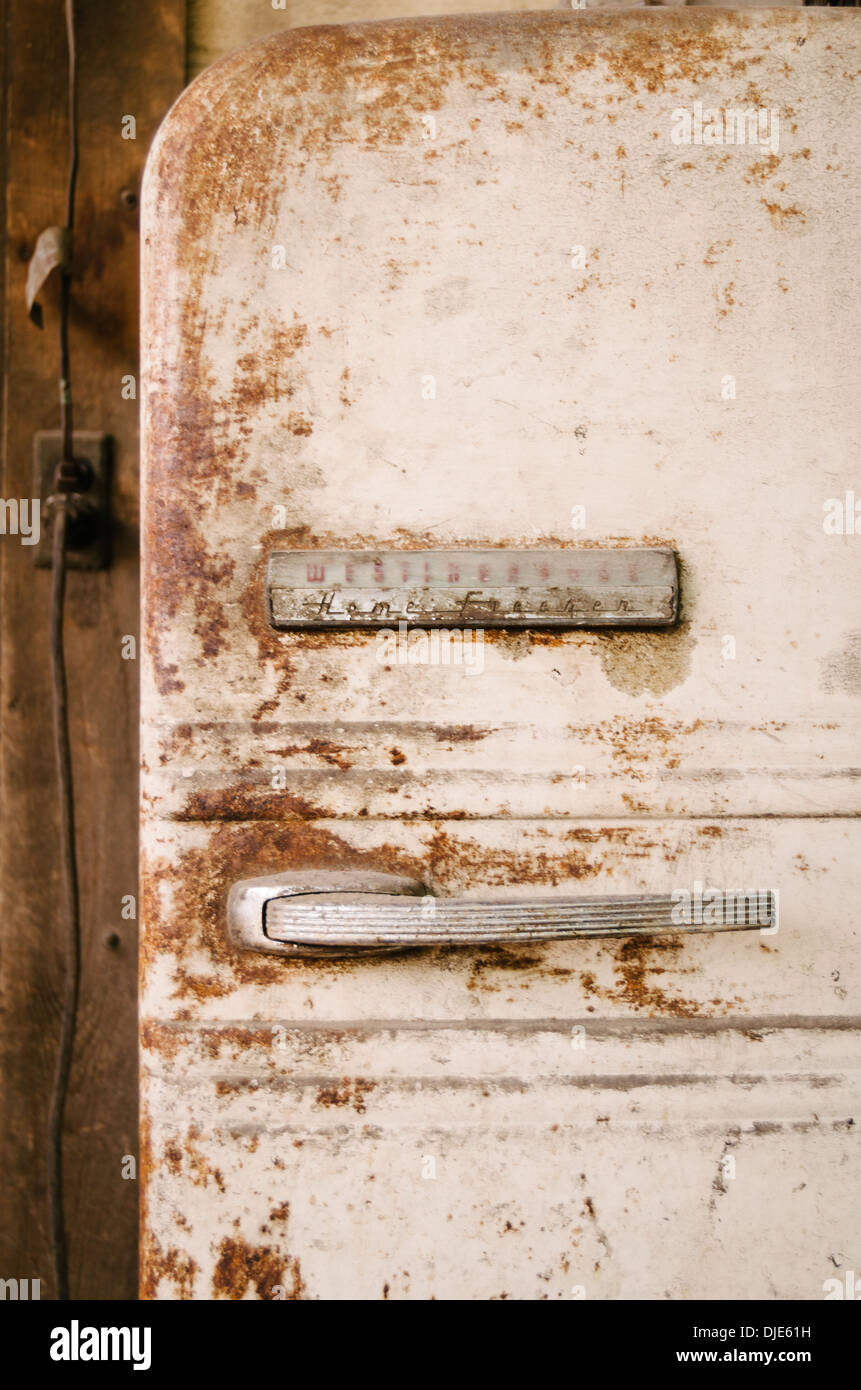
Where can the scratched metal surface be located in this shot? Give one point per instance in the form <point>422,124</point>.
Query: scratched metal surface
<point>504,1122</point>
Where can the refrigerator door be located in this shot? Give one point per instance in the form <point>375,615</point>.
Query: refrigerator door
<point>501,556</point>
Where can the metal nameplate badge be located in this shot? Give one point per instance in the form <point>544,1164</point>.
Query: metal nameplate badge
<point>343,589</point>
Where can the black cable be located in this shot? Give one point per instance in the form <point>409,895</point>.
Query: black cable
<point>71,904</point>
<point>65,287</point>
<point>67,481</point>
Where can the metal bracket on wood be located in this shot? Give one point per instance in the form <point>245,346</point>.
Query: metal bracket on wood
<point>88,539</point>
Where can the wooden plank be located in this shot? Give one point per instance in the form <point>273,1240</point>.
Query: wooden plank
<point>131,62</point>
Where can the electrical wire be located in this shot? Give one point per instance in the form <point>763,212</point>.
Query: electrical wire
<point>60,508</point>
<point>71,910</point>
<point>66,424</point>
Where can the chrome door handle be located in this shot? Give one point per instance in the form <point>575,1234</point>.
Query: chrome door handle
<point>327,914</point>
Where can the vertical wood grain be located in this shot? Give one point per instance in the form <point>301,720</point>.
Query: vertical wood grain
<point>131,62</point>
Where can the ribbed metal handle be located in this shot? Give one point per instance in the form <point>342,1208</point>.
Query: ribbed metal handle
<point>344,914</point>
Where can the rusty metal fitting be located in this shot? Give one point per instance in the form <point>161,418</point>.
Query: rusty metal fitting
<point>73,475</point>
<point>82,517</point>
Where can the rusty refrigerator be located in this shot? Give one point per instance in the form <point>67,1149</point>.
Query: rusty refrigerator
<point>500,446</point>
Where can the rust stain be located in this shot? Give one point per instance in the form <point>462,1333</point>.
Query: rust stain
<point>186,1159</point>
<point>637,962</point>
<point>173,1265</point>
<point>199,987</point>
<point>240,1266</point>
<point>715,250</point>
<point>335,754</point>
<point>149,1250</point>
<point>298,424</point>
<point>189,555</point>
<point>763,169</point>
<point>781,215</point>
<point>349,1092</point>
<point>249,801</point>
<point>500,958</point>
<point>170,1043</point>
<point>469,861</point>
<point>259,375</point>
<point>640,741</point>
<point>728,300</point>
